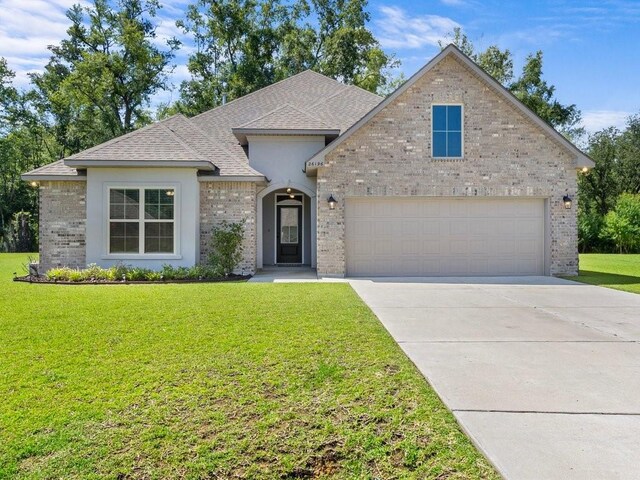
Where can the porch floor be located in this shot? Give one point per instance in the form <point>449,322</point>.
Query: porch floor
<point>272,274</point>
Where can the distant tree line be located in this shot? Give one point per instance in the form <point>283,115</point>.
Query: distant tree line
<point>101,78</point>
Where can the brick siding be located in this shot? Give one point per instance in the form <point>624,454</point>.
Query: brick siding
<point>505,154</point>
<point>63,214</point>
<point>233,202</point>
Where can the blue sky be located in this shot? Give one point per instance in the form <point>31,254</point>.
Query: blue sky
<point>591,47</point>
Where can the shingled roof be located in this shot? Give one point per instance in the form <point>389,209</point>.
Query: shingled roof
<point>307,101</point>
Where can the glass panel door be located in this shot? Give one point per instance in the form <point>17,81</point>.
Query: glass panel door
<point>289,225</point>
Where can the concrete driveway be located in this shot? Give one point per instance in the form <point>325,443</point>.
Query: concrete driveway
<point>542,373</point>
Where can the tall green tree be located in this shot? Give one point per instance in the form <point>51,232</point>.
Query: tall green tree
<point>24,144</point>
<point>244,45</point>
<point>629,155</point>
<point>100,79</point>
<point>600,188</point>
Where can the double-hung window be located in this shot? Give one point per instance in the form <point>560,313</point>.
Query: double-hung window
<point>141,221</point>
<point>446,135</point>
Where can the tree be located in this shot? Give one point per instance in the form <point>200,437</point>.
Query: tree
<point>24,145</point>
<point>529,87</point>
<point>99,81</point>
<point>244,45</point>
<point>536,94</point>
<point>601,186</point>
<point>629,156</point>
<point>622,225</point>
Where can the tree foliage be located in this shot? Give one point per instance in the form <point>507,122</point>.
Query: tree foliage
<point>607,193</point>
<point>100,79</point>
<point>244,45</point>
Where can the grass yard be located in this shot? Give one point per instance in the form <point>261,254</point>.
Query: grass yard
<point>230,380</point>
<point>621,272</point>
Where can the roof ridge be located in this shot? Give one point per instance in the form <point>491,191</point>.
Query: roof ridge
<point>264,116</point>
<point>221,146</point>
<point>182,142</point>
<point>281,107</point>
<point>366,91</point>
<point>308,70</point>
<point>46,165</point>
<point>310,115</point>
<point>122,137</point>
<point>323,100</point>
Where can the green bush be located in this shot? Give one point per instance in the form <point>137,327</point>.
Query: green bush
<point>120,272</point>
<point>226,246</point>
<point>137,274</point>
<point>590,226</point>
<point>622,224</point>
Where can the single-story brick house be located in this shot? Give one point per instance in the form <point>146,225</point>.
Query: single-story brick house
<point>449,175</point>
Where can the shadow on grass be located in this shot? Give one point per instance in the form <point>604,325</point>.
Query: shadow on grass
<point>603,278</point>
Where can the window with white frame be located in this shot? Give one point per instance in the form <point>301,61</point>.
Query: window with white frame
<point>141,221</point>
<point>446,135</point>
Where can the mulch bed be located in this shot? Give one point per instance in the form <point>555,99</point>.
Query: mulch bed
<point>42,279</point>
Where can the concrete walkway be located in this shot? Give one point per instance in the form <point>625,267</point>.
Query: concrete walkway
<point>543,374</point>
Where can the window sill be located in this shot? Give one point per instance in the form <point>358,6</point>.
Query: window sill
<point>447,159</point>
<point>147,256</point>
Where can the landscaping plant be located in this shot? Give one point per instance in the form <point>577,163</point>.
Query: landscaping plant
<point>226,246</point>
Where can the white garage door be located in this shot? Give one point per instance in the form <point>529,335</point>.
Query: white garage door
<point>420,236</point>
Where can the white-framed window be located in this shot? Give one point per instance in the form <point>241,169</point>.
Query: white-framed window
<point>447,139</point>
<point>142,221</point>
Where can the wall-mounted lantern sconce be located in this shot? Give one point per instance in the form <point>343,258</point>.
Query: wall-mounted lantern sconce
<point>585,170</point>
<point>332,202</point>
<point>567,202</point>
<point>33,184</point>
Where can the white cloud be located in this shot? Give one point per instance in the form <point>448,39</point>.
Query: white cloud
<point>27,28</point>
<point>453,3</point>
<point>596,120</point>
<point>398,29</point>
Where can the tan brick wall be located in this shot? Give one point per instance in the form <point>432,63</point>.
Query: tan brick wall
<point>63,213</point>
<point>233,202</point>
<point>505,154</point>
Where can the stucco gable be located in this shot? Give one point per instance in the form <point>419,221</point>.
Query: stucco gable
<point>443,69</point>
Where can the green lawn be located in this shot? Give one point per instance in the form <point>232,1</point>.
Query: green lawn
<point>621,272</point>
<point>231,380</point>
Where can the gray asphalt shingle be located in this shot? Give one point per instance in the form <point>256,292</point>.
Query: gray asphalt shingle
<point>307,100</point>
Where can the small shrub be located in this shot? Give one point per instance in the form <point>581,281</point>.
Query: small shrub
<point>226,246</point>
<point>119,272</point>
<point>153,276</point>
<point>58,274</point>
<point>137,274</point>
<point>76,275</point>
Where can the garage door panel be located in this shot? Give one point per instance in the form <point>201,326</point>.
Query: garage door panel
<point>444,236</point>
<point>430,246</point>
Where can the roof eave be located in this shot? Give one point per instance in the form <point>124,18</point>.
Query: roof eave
<point>242,133</point>
<point>34,177</point>
<point>199,164</point>
<point>233,178</point>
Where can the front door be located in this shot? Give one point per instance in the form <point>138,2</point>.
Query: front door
<point>289,234</point>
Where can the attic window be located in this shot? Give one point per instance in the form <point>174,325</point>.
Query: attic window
<point>446,131</point>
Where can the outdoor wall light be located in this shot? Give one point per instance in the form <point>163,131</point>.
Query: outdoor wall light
<point>332,202</point>
<point>585,169</point>
<point>567,202</point>
<point>34,184</point>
